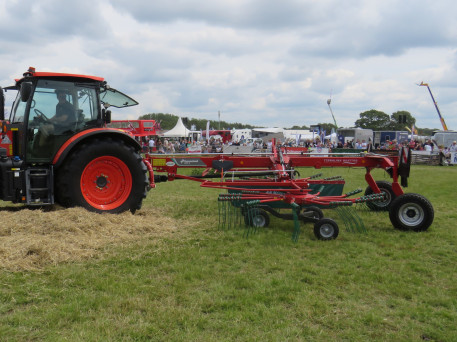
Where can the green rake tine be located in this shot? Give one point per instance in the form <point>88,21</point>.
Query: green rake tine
<point>248,222</point>
<point>224,215</point>
<point>235,214</point>
<point>359,221</point>
<point>219,205</point>
<point>351,193</point>
<point>315,176</point>
<point>229,218</point>
<point>352,220</point>
<point>296,231</point>
<point>242,212</point>
<point>344,214</point>
<point>362,206</point>
<point>333,178</point>
<point>251,206</point>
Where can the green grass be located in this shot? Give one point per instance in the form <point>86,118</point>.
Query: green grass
<point>215,285</point>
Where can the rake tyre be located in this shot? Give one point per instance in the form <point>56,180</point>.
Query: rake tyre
<point>386,188</point>
<point>312,212</point>
<point>102,175</point>
<point>411,212</point>
<point>326,229</point>
<point>256,217</point>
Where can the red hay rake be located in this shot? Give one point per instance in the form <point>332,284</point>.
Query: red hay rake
<point>251,198</point>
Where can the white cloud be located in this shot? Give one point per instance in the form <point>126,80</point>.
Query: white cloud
<point>258,62</point>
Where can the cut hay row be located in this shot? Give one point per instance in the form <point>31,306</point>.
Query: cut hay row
<point>32,239</point>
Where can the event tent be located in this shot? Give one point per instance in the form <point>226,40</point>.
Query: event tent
<point>179,131</point>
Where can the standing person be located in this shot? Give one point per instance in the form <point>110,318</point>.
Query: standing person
<point>160,148</point>
<point>152,144</point>
<point>451,149</point>
<point>428,147</point>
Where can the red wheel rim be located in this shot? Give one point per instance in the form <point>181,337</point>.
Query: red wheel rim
<point>106,183</point>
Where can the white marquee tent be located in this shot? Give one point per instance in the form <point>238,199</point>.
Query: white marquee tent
<point>179,131</point>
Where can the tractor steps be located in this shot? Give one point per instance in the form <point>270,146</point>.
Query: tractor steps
<point>39,185</point>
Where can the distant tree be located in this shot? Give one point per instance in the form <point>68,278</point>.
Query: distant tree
<point>296,127</point>
<point>400,120</point>
<point>427,131</point>
<point>327,127</point>
<point>374,119</point>
<point>168,121</point>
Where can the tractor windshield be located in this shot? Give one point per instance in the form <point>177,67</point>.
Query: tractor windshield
<point>58,110</point>
<point>114,98</point>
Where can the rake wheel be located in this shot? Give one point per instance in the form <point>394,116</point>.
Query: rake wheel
<point>411,212</point>
<point>386,188</point>
<point>326,229</point>
<point>256,217</point>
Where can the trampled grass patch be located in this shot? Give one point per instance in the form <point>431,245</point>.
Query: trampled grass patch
<point>201,283</point>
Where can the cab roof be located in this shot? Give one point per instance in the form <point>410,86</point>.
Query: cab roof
<point>32,73</point>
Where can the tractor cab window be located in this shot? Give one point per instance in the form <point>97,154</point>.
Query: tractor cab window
<point>114,98</point>
<point>57,111</point>
<point>18,111</point>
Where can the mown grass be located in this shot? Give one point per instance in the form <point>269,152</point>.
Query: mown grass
<point>207,284</point>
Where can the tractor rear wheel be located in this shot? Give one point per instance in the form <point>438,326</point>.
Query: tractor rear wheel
<point>102,175</point>
<point>386,188</point>
<point>411,212</point>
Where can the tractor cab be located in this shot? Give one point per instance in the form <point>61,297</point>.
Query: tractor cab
<point>55,146</point>
<point>50,108</point>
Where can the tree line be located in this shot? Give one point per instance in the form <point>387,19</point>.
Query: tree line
<point>372,119</point>
<point>168,121</point>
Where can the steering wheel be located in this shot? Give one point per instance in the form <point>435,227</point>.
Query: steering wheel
<point>41,116</point>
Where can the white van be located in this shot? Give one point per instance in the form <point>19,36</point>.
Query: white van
<point>444,138</point>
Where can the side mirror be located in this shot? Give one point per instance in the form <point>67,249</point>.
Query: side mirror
<point>26,90</point>
<point>106,116</point>
<point>2,104</point>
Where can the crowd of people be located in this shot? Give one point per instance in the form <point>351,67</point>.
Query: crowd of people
<point>181,145</point>
<point>163,145</point>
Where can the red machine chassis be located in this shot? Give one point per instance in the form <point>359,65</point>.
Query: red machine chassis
<point>280,163</point>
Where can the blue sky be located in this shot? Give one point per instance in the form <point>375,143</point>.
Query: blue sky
<point>261,62</point>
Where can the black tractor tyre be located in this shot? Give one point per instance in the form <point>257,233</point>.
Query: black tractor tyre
<point>386,188</point>
<point>102,175</point>
<point>326,229</point>
<point>256,217</point>
<point>411,212</point>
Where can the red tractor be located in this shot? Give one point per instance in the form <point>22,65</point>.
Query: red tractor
<point>56,148</point>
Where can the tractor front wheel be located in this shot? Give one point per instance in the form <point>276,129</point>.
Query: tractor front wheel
<point>102,175</point>
<point>411,212</point>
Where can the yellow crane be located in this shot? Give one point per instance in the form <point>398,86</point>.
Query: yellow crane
<point>443,123</point>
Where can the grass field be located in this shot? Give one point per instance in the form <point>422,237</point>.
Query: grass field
<point>168,273</point>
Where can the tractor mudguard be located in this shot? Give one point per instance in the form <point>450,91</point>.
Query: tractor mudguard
<point>92,133</point>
